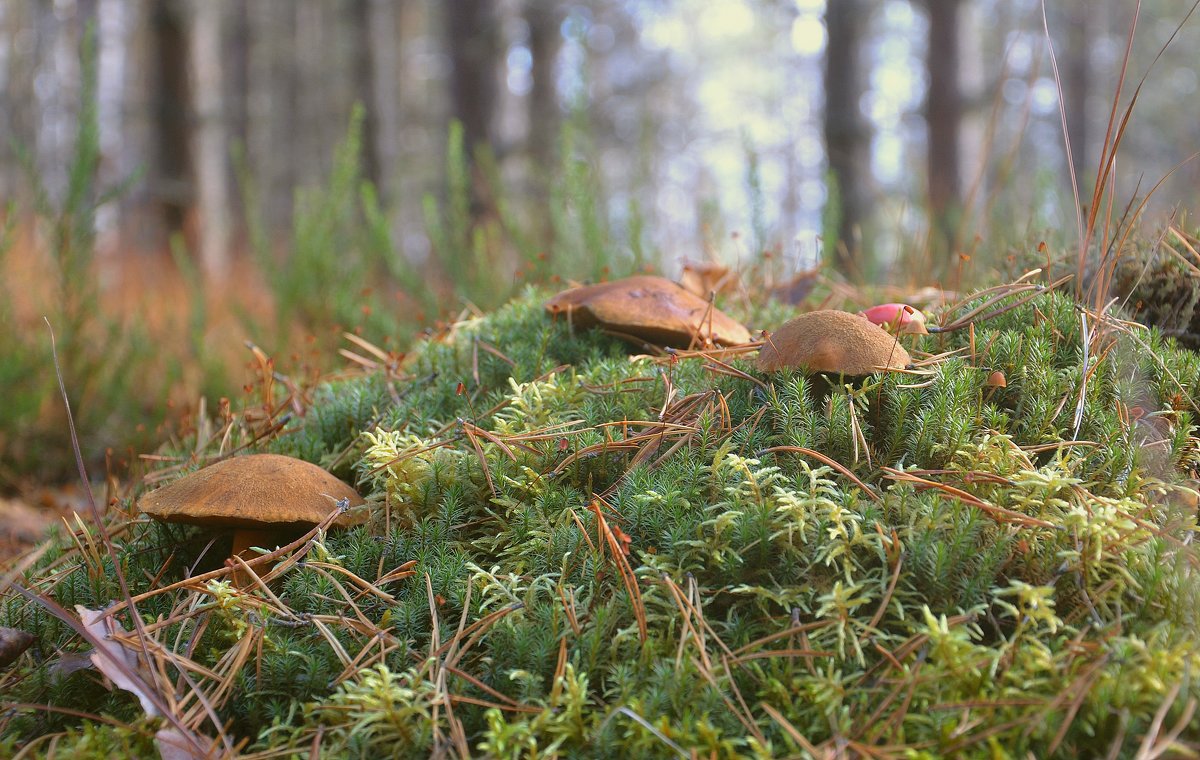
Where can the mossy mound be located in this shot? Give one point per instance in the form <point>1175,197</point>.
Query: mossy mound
<point>578,554</point>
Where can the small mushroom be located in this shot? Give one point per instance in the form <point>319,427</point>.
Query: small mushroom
<point>897,318</point>
<point>649,308</point>
<point>262,497</point>
<point>836,342</point>
<point>996,380</point>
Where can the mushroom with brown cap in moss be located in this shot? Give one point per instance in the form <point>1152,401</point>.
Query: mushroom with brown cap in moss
<point>836,342</point>
<point>648,308</point>
<point>261,497</point>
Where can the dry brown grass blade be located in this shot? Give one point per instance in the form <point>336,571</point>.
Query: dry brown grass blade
<point>1000,514</point>
<point>977,314</point>
<point>483,463</point>
<point>404,570</point>
<point>473,631</point>
<point>689,629</point>
<point>409,455</point>
<point>631,444</point>
<point>1114,135</point>
<point>1156,744</point>
<point>769,654</point>
<point>617,552</point>
<point>785,633</point>
<point>504,700</point>
<point>895,552</point>
<point>792,731</point>
<point>472,429</point>
<point>359,359</point>
<point>841,468</point>
<point>300,545</point>
<point>144,660</point>
<point>674,354</point>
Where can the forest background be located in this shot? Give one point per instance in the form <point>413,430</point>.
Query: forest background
<point>203,197</point>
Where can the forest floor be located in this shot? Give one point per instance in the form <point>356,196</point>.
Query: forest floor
<point>147,290</point>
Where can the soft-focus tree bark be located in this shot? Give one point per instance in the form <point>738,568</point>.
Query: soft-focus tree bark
<point>171,96</point>
<point>364,72</point>
<point>237,72</point>
<point>545,18</point>
<point>383,40</point>
<point>472,40</point>
<point>210,140</point>
<point>943,115</point>
<point>847,134</point>
<point>1077,75</point>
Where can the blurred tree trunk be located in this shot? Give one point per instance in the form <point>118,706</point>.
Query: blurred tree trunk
<point>544,18</point>
<point>472,39</point>
<point>847,134</point>
<point>943,116</point>
<point>1077,76</point>
<point>237,73</point>
<point>210,140</point>
<point>18,98</point>
<point>363,70</point>
<point>383,96</point>
<point>171,96</point>
<point>274,120</point>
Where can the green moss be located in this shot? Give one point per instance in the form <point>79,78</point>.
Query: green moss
<point>1020,573</point>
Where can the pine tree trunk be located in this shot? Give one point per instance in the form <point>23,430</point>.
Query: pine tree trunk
<point>943,115</point>
<point>364,72</point>
<point>847,134</point>
<point>172,94</point>
<point>472,39</point>
<point>1077,75</point>
<point>210,140</point>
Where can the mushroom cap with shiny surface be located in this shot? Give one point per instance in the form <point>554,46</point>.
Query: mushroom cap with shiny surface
<point>253,491</point>
<point>897,317</point>
<point>650,308</point>
<point>832,341</point>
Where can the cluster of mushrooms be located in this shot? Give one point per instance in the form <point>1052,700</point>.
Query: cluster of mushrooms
<point>268,499</point>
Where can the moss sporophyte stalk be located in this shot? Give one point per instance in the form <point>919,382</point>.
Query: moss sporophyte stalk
<point>579,553</point>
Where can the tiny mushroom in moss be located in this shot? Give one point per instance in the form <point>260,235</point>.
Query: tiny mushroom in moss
<point>996,380</point>
<point>836,342</point>
<point>648,308</point>
<point>897,318</point>
<point>263,498</point>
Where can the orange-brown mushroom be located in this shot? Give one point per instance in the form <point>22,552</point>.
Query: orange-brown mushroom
<point>649,308</point>
<point>836,342</point>
<point>262,497</point>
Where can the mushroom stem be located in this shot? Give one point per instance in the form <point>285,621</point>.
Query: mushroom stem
<point>244,539</point>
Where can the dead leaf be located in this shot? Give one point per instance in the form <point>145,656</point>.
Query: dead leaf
<point>704,277</point>
<point>68,663</point>
<point>117,663</point>
<point>796,289</point>
<point>13,642</point>
<point>173,744</point>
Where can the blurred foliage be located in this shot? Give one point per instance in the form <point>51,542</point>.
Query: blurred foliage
<point>340,271</point>
<point>99,356</point>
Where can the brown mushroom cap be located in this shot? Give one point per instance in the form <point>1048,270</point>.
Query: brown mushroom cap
<point>651,308</point>
<point>832,341</point>
<point>253,491</point>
